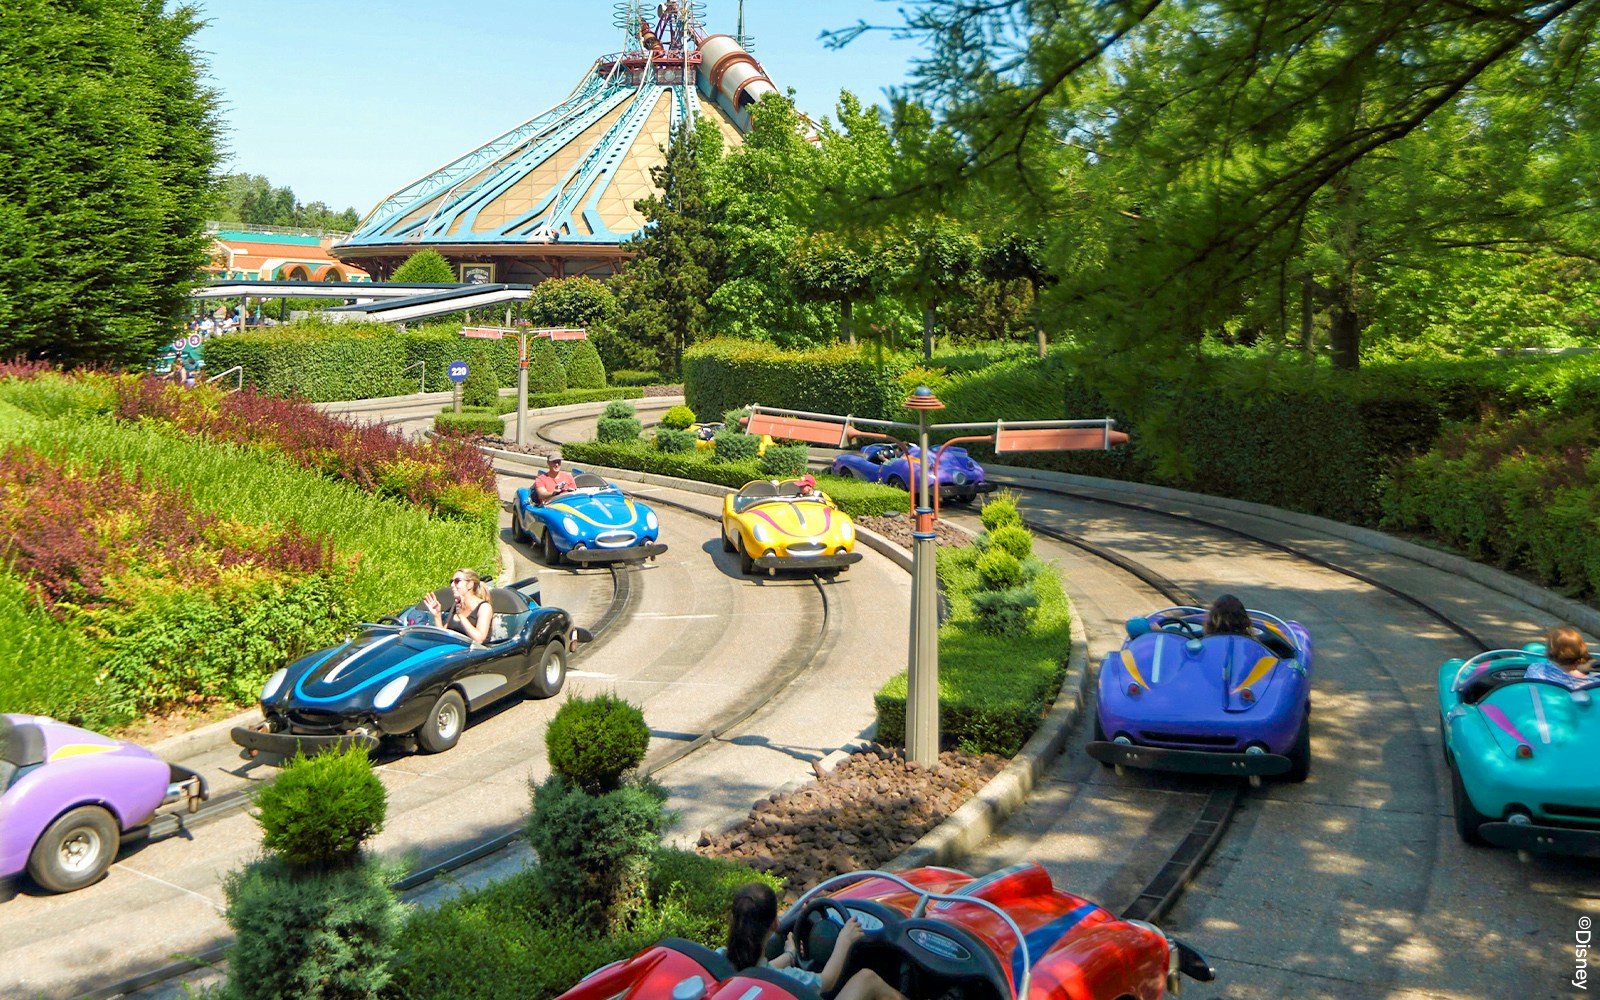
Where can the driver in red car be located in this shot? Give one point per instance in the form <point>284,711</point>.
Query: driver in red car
<point>553,481</point>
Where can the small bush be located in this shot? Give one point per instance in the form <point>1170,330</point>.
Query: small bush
<point>1005,612</point>
<point>625,376</point>
<point>328,936</point>
<point>1001,510</point>
<point>545,373</point>
<point>595,741</point>
<point>999,569</point>
<point>675,442</point>
<point>735,446</point>
<point>594,850</point>
<point>585,370</point>
<point>482,387</point>
<point>618,409</point>
<point>456,425</point>
<point>783,461</point>
<point>735,418</point>
<point>1013,538</point>
<point>425,267</point>
<point>617,430</point>
<point>678,418</point>
<point>321,809</point>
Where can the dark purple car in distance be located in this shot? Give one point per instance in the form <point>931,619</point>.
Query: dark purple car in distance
<point>1175,699</point>
<point>67,795</point>
<point>960,479</point>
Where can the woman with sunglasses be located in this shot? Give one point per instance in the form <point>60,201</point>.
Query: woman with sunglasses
<point>471,614</point>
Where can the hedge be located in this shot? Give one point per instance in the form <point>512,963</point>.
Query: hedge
<point>725,374</point>
<point>468,423</point>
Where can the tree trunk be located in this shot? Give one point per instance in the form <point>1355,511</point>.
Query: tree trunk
<point>847,321</point>
<point>1345,333</point>
<point>1040,331</point>
<point>927,333</point>
<point>1305,314</point>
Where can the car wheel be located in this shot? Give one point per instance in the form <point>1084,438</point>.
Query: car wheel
<point>747,565</point>
<point>1300,754</point>
<point>445,721</point>
<point>550,673</point>
<point>1468,818</point>
<point>1100,736</point>
<point>727,546</point>
<point>896,482</point>
<point>551,554</point>
<point>75,850</point>
<point>518,533</point>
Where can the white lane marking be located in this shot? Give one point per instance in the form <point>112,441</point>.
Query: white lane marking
<point>209,902</point>
<point>591,674</point>
<point>1538,711</point>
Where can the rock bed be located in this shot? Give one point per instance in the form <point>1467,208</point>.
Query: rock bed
<point>898,527</point>
<point>861,815</point>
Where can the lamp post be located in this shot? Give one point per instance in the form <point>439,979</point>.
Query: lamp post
<point>922,673</point>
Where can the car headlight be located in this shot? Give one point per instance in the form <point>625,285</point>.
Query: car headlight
<point>762,534</point>
<point>650,521</point>
<point>569,524</point>
<point>273,684</point>
<point>391,692</point>
<point>847,531</point>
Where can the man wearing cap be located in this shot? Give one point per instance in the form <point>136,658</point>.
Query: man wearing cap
<point>553,481</point>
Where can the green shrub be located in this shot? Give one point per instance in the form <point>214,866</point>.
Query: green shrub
<point>585,370</point>
<point>594,848</point>
<point>619,410</point>
<point>1000,511</point>
<point>325,936</point>
<point>1006,611</point>
<point>464,424</point>
<point>481,387</point>
<point>1013,538</point>
<point>545,374</point>
<point>595,741</point>
<point>783,461</point>
<point>624,376</point>
<point>617,430</point>
<point>669,440</point>
<point>720,375</point>
<point>678,418</point>
<point>735,446</point>
<point>425,267</point>
<point>320,809</point>
<point>999,569</point>
<point>735,418</point>
<point>571,302</point>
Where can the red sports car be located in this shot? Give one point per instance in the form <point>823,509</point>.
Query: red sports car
<point>933,933</point>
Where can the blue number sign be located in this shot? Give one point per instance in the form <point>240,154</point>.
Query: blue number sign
<point>458,371</point>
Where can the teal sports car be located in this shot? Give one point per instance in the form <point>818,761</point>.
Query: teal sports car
<point>1521,740</point>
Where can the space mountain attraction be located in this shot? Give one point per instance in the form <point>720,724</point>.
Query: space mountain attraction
<point>554,197</point>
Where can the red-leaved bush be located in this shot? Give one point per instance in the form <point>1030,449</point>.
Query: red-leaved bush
<point>72,531</point>
<point>22,368</point>
<point>451,478</point>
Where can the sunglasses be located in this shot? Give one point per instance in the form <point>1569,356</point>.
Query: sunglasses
<point>458,579</point>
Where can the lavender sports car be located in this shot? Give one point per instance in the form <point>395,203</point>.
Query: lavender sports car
<point>960,478</point>
<point>1173,699</point>
<point>67,796</point>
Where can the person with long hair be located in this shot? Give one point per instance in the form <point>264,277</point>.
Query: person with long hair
<point>1565,647</point>
<point>753,921</point>
<point>471,614</point>
<point>1227,616</point>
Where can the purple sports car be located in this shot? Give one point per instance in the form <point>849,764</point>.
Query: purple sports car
<point>960,478</point>
<point>67,795</point>
<point>1174,699</point>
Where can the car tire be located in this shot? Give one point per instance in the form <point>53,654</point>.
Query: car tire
<point>550,673</point>
<point>747,565</point>
<point>1100,735</point>
<point>518,533</point>
<point>548,550</point>
<point>1468,818</point>
<point>1300,754</point>
<point>727,546</point>
<point>75,850</point>
<point>444,724</point>
<point>896,482</point>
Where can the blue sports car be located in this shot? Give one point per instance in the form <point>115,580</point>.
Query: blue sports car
<point>960,478</point>
<point>1521,738</point>
<point>596,522</point>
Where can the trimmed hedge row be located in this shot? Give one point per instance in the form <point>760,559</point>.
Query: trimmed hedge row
<point>854,497</point>
<point>721,375</point>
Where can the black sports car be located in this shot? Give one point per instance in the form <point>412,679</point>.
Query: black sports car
<point>406,677</point>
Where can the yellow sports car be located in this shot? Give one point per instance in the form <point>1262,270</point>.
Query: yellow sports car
<point>773,526</point>
<point>705,437</point>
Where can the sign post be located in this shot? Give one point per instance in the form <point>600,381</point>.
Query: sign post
<point>458,372</point>
<point>522,335</point>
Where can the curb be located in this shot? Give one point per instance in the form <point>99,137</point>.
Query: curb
<point>1575,612</point>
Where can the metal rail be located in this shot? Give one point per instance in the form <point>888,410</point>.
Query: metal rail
<point>235,370</point>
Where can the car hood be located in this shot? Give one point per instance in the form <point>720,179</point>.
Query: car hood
<point>371,660</point>
<point>796,520</point>
<point>1561,727</point>
<point>1200,676</point>
<point>599,510</point>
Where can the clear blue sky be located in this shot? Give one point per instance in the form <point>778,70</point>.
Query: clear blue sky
<point>346,101</point>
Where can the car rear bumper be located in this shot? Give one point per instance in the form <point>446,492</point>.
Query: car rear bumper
<point>1242,765</point>
<point>292,744</point>
<point>808,562</point>
<point>1543,839</point>
<point>632,553</point>
<point>948,490</point>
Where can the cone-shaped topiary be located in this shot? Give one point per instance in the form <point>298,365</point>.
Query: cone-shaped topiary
<point>1001,510</point>
<point>619,408</point>
<point>585,370</point>
<point>594,849</point>
<point>481,388</point>
<point>1013,538</point>
<point>595,741</point>
<point>545,373</point>
<point>321,809</point>
<point>999,569</point>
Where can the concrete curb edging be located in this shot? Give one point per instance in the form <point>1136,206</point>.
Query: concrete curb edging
<point>1575,612</point>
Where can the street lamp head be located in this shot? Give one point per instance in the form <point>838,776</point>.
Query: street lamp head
<point>923,399</point>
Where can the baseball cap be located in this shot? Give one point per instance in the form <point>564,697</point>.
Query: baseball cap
<point>807,480</point>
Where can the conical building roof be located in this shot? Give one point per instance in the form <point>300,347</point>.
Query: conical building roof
<point>555,196</point>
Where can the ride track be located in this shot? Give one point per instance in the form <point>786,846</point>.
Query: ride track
<point>1371,925</point>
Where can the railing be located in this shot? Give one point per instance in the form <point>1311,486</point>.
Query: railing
<point>235,370</point>
<point>422,380</point>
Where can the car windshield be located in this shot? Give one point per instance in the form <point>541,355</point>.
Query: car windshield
<point>417,614</point>
<point>8,772</point>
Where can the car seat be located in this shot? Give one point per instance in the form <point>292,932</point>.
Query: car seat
<point>510,612</point>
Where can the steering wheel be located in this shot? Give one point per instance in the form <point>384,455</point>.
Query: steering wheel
<point>1184,627</point>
